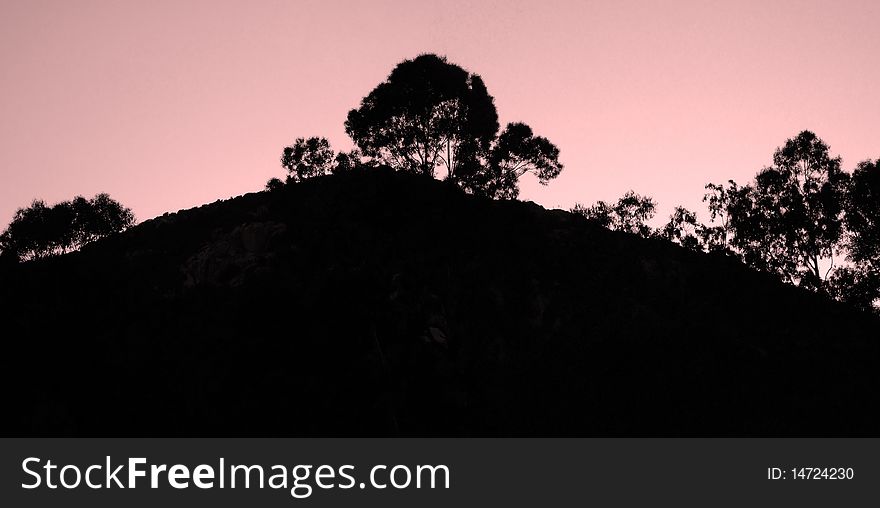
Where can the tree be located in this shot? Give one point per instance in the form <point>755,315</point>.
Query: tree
<point>630,214</point>
<point>718,199</point>
<point>432,114</point>
<point>862,214</point>
<point>274,184</point>
<point>425,115</point>
<point>346,161</point>
<point>789,221</point>
<point>107,217</point>
<point>601,213</point>
<point>518,151</point>
<point>59,228</point>
<point>859,284</point>
<point>683,229</point>
<point>307,158</point>
<point>39,231</point>
<point>26,236</point>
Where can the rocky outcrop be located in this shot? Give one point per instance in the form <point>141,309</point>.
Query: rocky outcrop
<point>232,259</point>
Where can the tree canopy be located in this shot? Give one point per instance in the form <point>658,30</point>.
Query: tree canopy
<point>789,221</point>
<point>859,283</point>
<point>630,213</point>
<point>307,158</point>
<point>432,114</point>
<point>862,214</point>
<point>684,229</point>
<point>38,230</point>
<point>803,219</point>
<point>428,113</point>
<point>518,151</point>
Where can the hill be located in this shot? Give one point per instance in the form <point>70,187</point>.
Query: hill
<point>378,303</point>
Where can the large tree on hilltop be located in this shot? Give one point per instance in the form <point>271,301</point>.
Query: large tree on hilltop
<point>432,114</point>
<point>429,113</point>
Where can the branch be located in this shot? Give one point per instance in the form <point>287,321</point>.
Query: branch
<point>830,267</point>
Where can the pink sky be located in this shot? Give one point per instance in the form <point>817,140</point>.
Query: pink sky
<point>171,104</point>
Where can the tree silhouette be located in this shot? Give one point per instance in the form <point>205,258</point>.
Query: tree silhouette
<point>274,184</point>
<point>59,228</point>
<point>518,151</point>
<point>859,284</point>
<point>307,158</point>
<point>26,236</point>
<point>630,214</point>
<point>600,213</point>
<point>39,231</point>
<point>106,217</point>
<point>789,221</point>
<point>427,114</point>
<point>432,114</point>
<point>346,161</point>
<point>718,200</point>
<point>863,213</point>
<point>684,229</point>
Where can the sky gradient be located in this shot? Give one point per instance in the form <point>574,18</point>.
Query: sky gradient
<point>171,104</point>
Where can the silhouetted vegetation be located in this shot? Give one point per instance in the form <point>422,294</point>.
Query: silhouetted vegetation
<point>274,184</point>
<point>803,218</point>
<point>859,283</point>
<point>629,214</point>
<point>517,151</point>
<point>684,229</point>
<point>789,221</point>
<point>39,231</point>
<point>432,114</point>
<point>863,213</point>
<point>377,302</point>
<point>308,158</point>
<point>428,115</point>
<point>798,220</point>
<point>370,299</point>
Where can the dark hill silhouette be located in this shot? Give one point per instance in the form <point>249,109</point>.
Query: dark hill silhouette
<point>380,303</point>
